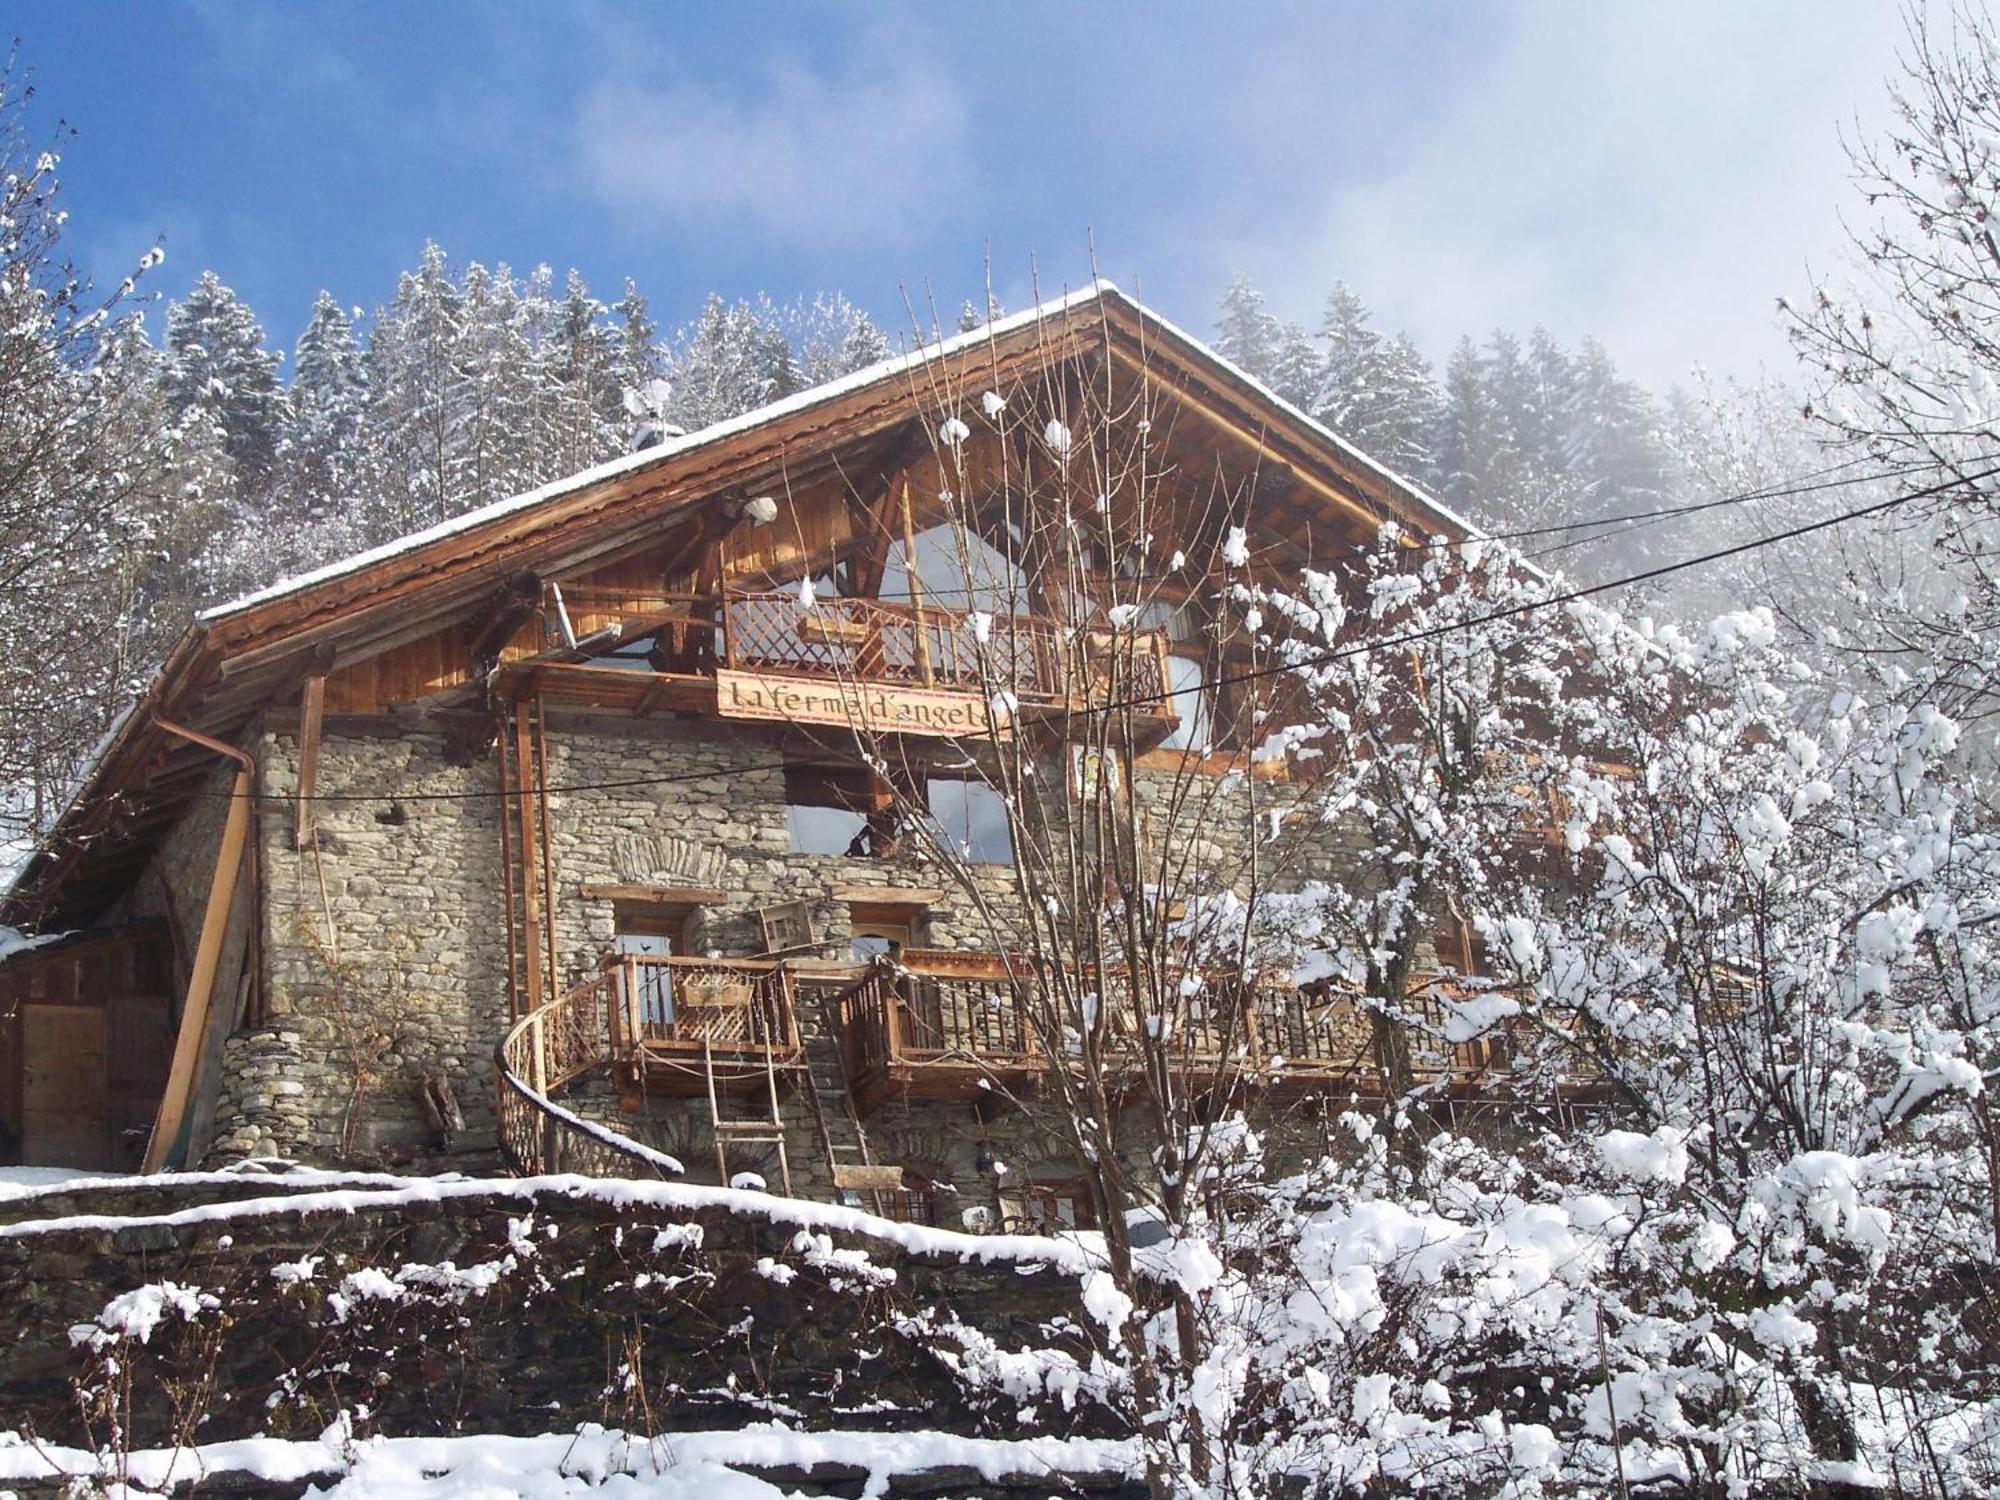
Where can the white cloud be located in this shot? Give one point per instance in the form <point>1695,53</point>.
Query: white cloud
<point>1656,176</point>
<point>855,154</point>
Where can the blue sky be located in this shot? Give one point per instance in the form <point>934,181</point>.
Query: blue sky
<point>1655,175</point>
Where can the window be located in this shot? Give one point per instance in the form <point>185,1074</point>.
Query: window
<point>1193,702</point>
<point>971,818</point>
<point>883,928</point>
<point>633,656</point>
<point>828,811</point>
<point>648,936</point>
<point>1053,1207</point>
<point>960,571</point>
<point>872,940</point>
<point>1177,621</point>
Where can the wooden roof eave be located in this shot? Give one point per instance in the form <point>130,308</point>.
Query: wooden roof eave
<point>681,479</point>
<point>109,787</point>
<point>1361,490</point>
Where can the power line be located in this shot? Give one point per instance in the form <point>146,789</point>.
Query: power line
<point>1783,491</point>
<point>1322,658</point>
<point>1570,596</point>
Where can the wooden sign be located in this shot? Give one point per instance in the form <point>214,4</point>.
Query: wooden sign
<point>873,707</point>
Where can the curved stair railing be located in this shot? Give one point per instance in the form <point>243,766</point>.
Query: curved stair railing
<point>545,1050</point>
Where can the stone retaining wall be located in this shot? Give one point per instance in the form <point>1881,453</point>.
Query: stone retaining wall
<point>439,1307</point>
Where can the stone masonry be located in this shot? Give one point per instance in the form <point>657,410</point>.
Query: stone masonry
<point>384,949</point>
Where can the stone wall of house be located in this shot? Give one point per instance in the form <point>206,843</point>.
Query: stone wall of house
<point>384,954</point>
<point>385,948</point>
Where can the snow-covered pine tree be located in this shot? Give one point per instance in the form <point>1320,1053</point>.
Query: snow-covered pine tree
<point>730,360</point>
<point>84,444</point>
<point>1374,391</point>
<point>1410,409</point>
<point>643,389</point>
<point>414,414</point>
<point>1347,395</point>
<point>1247,335</point>
<point>1465,449</point>
<point>1294,372</point>
<point>1615,461</point>
<point>865,345</point>
<point>496,378</point>
<point>329,397</point>
<point>589,392</point>
<point>217,366</point>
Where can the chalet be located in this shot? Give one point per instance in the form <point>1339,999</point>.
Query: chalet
<point>547,831</point>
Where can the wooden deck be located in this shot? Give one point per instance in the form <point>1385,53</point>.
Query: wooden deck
<point>675,1021</point>
<point>887,667</point>
<point>955,1027</point>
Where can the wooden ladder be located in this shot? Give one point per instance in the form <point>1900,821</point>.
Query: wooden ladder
<point>769,1130</point>
<point>525,857</point>
<point>835,1118</point>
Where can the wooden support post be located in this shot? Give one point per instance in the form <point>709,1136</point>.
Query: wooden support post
<point>312,716</point>
<point>923,634</point>
<point>525,823</point>
<point>548,844</point>
<point>201,981</point>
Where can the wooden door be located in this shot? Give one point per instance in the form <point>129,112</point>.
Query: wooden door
<point>62,1114</point>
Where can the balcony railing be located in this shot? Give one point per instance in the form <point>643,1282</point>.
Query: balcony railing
<point>867,640</point>
<point>734,1014</point>
<point>934,1024</point>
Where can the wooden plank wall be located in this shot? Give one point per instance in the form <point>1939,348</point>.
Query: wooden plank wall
<point>620,590</point>
<point>84,1059</point>
<point>625,588</point>
<point>815,528</point>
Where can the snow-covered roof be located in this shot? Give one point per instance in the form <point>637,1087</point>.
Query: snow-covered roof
<point>886,369</point>
<point>673,447</point>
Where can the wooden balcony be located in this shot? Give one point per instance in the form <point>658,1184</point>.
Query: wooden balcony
<point>948,1026</point>
<point>935,1026</point>
<point>674,1021</point>
<point>857,662</point>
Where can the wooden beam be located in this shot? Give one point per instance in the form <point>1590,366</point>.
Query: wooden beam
<point>661,895</point>
<point>181,1079</point>
<point>922,634</point>
<point>871,523</point>
<point>312,718</point>
<point>889,895</point>
<point>525,824</point>
<point>1354,502</point>
<point>506,612</point>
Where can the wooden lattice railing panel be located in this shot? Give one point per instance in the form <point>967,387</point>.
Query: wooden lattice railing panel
<point>738,1006</point>
<point>865,640</point>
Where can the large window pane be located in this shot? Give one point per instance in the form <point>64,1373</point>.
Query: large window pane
<point>979,577</point>
<point>826,810</point>
<point>1192,703</point>
<point>973,820</point>
<point>825,830</point>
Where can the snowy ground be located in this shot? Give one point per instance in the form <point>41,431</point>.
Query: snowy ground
<point>594,1461</point>
<point>16,1182</point>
